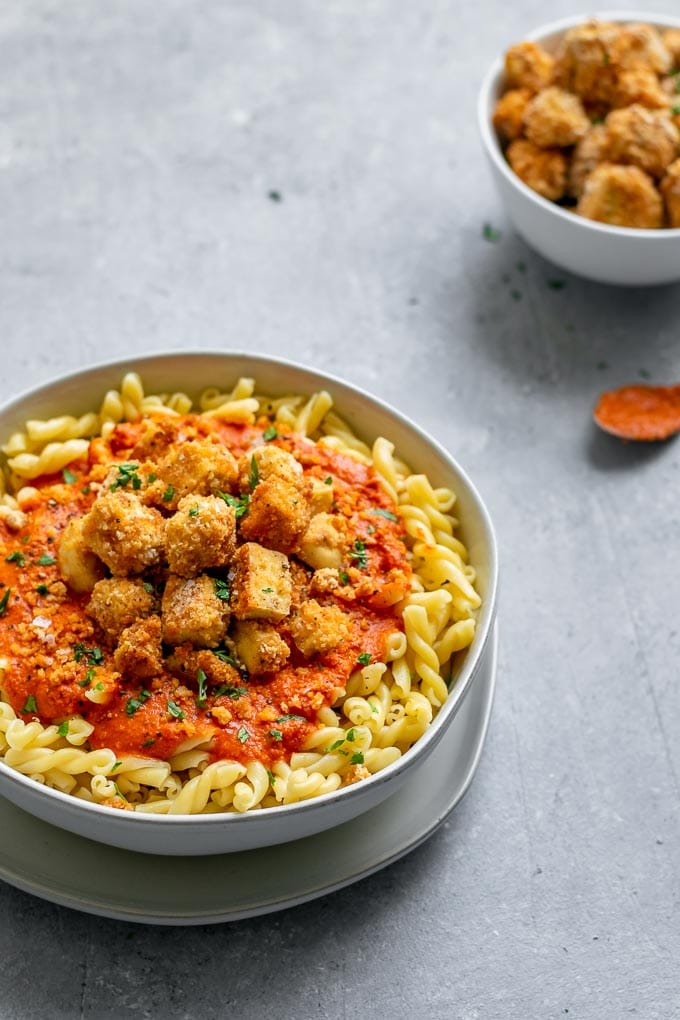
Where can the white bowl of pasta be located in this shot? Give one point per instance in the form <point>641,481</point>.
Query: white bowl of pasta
<point>227,620</point>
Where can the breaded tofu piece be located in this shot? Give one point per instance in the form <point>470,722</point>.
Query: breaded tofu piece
<point>623,196</point>
<point>542,170</point>
<point>193,613</point>
<point>197,466</point>
<point>158,434</point>
<point>278,514</point>
<point>270,461</point>
<point>671,40</point>
<point>639,85</point>
<point>590,151</point>
<point>201,534</point>
<point>259,646</point>
<point>325,542</point>
<point>118,602</point>
<point>321,494</point>
<point>508,114</point>
<point>555,117</point>
<point>139,654</point>
<point>670,189</point>
<point>78,565</point>
<point>316,628</point>
<point>528,65</point>
<point>641,137</point>
<point>127,536</point>
<point>261,586</point>
<point>185,661</point>
<point>641,45</point>
<point>583,63</point>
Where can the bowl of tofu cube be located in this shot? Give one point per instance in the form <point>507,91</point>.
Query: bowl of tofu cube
<point>241,601</point>
<point>580,122</point>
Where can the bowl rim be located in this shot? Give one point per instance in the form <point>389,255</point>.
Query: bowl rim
<point>492,79</point>
<point>437,728</point>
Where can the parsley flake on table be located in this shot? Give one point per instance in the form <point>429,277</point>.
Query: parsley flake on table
<point>489,233</point>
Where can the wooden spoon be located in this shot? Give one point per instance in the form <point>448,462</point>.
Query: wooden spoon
<point>643,413</point>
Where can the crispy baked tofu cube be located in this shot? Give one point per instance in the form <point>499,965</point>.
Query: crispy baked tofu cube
<point>259,646</point>
<point>262,586</point>
<point>139,654</point>
<point>270,461</point>
<point>278,514</point>
<point>118,602</point>
<point>193,612</point>
<point>200,466</point>
<point>325,542</point>
<point>78,565</point>
<point>127,536</point>
<point>201,534</point>
<point>316,628</point>
<point>322,494</point>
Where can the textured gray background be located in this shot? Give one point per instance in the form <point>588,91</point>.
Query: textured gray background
<point>139,143</point>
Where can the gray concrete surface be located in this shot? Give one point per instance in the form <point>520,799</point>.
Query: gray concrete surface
<point>140,147</point>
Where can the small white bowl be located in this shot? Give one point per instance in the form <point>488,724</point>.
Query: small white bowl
<point>207,834</point>
<point>619,255</point>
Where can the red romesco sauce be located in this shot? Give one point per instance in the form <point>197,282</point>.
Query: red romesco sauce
<point>55,653</point>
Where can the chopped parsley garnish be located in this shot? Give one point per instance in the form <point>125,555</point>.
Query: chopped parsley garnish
<point>243,735</point>
<point>336,745</point>
<point>89,677</point>
<point>222,589</point>
<point>42,589</point>
<point>557,284</point>
<point>175,711</point>
<point>193,512</point>
<point>374,707</point>
<point>675,110</point>
<point>4,601</point>
<point>270,434</point>
<point>149,742</point>
<point>285,718</point>
<point>387,514</point>
<point>344,577</point>
<point>118,792</point>
<point>272,777</point>
<point>358,553</point>
<point>116,765</point>
<point>351,734</point>
<point>46,560</point>
<point>229,692</point>
<point>489,233</point>
<point>276,734</point>
<point>63,728</point>
<point>85,490</point>
<point>94,656</point>
<point>328,480</point>
<point>134,704</point>
<point>364,658</point>
<point>30,705</point>
<point>202,681</point>
<point>267,591</point>
<point>224,656</point>
<point>151,478</point>
<point>357,758</point>
<point>69,477</point>
<point>602,365</point>
<point>644,374</point>
<point>148,587</point>
<point>99,686</point>
<point>16,557</point>
<point>127,475</point>
<point>254,476</point>
<point>168,494</point>
<point>239,503</point>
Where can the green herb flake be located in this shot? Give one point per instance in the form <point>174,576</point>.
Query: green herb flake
<point>374,707</point>
<point>94,656</point>
<point>202,681</point>
<point>222,589</point>
<point>16,557</point>
<point>602,365</point>
<point>344,577</point>
<point>148,587</point>
<point>149,742</point>
<point>118,792</point>
<point>644,374</point>
<point>270,434</point>
<point>387,514</point>
<point>357,758</point>
<point>275,196</point>
<point>364,658</point>
<point>351,735</point>
<point>224,690</point>
<point>556,284</point>
<point>328,480</point>
<point>175,711</point>
<point>272,777</point>
<point>63,728</point>
<point>133,705</point>
<point>68,476</point>
<point>358,553</point>
<point>489,233</point>
<point>243,735</point>
<point>30,705</point>
<point>151,478</point>
<point>99,686</point>
<point>168,494</point>
<point>193,512</point>
<point>238,503</point>
<point>516,295</point>
<point>4,601</point>
<point>223,656</point>
<point>116,765</point>
<point>127,475</point>
<point>46,560</point>
<point>42,589</point>
<point>267,591</point>
<point>276,734</point>
<point>254,476</point>
<point>675,110</point>
<point>290,716</point>
<point>335,746</point>
<point>85,490</point>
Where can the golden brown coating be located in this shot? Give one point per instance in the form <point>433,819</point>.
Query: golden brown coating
<point>193,612</point>
<point>528,65</point>
<point>199,466</point>
<point>584,64</point>
<point>640,45</point>
<point>139,653</point>
<point>262,586</point>
<point>118,602</point>
<point>671,40</point>
<point>325,542</point>
<point>508,115</point>
<point>184,662</point>
<point>644,138</point>
<point>269,460</point>
<point>588,153</point>
<point>670,190</point>
<point>278,513</point>
<point>542,170</point>
<point>259,646</point>
<point>126,536</point>
<point>622,196</point>
<point>639,85</point>
<point>555,118</point>
<point>78,565</point>
<point>316,628</point>
<point>201,534</point>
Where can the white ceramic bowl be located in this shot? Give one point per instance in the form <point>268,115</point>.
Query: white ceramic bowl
<point>618,255</point>
<point>207,834</point>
